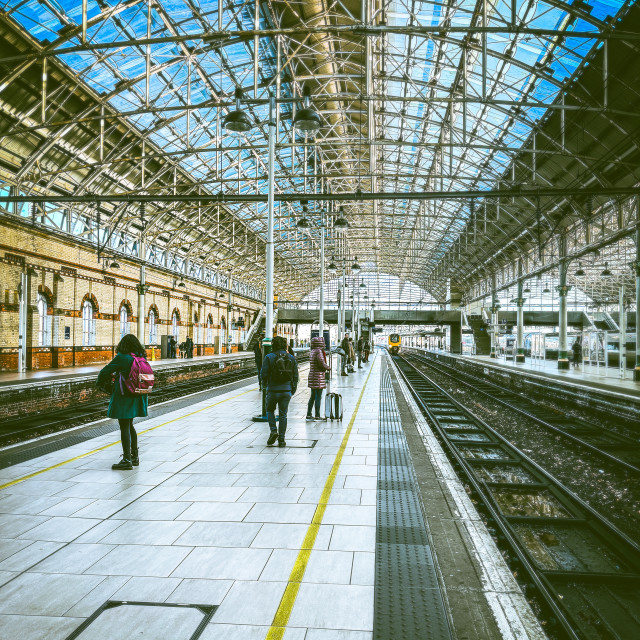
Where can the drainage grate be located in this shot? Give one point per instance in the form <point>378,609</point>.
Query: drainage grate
<point>408,601</point>
<point>155,619</point>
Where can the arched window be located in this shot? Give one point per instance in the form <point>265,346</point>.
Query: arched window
<point>124,321</point>
<point>88,324</point>
<point>174,325</point>
<point>210,329</point>
<point>44,322</point>
<point>153,327</point>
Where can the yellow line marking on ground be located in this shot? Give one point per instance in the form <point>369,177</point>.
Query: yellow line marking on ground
<point>111,444</point>
<point>282,615</point>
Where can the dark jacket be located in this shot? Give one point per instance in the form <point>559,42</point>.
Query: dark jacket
<point>257,354</point>
<point>344,345</point>
<point>122,406</point>
<point>267,366</point>
<point>317,365</point>
<point>360,344</point>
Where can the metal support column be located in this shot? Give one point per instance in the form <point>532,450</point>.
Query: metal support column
<point>520,356</point>
<point>563,290</point>
<point>622,341</point>
<point>321,312</point>
<point>268,322</point>
<point>636,265</point>
<point>142,288</point>
<point>23,307</point>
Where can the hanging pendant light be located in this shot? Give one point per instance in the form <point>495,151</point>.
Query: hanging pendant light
<point>332,268</point>
<point>307,119</point>
<point>580,271</point>
<point>355,267</point>
<point>182,285</point>
<point>606,273</point>
<point>341,223</point>
<point>546,290</point>
<point>237,121</point>
<point>114,265</point>
<point>303,223</point>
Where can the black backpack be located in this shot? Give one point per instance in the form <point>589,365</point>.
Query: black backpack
<point>282,369</point>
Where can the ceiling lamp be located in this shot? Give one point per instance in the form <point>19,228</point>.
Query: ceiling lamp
<point>606,273</point>
<point>355,267</point>
<point>526,290</point>
<point>546,290</point>
<point>363,285</point>
<point>307,119</point>
<point>114,265</point>
<point>332,267</point>
<point>341,223</point>
<point>237,121</point>
<point>181,284</point>
<point>303,223</point>
<point>580,272</point>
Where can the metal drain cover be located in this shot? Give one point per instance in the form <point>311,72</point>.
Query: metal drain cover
<point>116,619</point>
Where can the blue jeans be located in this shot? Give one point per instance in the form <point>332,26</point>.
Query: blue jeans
<point>316,398</point>
<point>281,399</point>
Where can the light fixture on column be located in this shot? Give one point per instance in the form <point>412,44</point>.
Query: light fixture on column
<point>237,121</point>
<point>307,119</point>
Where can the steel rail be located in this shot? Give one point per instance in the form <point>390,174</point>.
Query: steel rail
<point>616,441</point>
<point>555,585</point>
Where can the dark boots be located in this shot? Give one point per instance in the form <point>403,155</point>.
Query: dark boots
<point>135,460</point>
<point>124,465</point>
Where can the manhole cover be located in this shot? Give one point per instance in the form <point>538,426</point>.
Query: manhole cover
<point>148,620</point>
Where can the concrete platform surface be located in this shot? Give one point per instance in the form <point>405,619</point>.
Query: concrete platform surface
<point>211,517</point>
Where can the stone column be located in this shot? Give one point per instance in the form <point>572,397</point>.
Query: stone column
<point>563,289</point>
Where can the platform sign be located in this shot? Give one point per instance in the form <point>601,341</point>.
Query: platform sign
<point>327,338</point>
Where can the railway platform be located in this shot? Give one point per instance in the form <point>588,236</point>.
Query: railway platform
<point>356,529</point>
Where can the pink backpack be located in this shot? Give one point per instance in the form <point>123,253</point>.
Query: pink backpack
<point>140,379</point>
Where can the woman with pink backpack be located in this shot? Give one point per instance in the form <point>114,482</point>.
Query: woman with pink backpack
<point>130,378</point>
<point>317,379</point>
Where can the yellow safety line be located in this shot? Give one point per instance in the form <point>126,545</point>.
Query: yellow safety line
<point>282,615</point>
<point>111,444</point>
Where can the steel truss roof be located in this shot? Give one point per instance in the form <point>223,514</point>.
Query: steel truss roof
<point>414,96</point>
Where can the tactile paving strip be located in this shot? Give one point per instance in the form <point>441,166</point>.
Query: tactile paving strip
<point>408,601</point>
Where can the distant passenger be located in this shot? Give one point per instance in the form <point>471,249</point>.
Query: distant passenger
<point>172,347</point>
<point>576,347</point>
<point>344,354</point>
<point>367,350</point>
<point>257,355</point>
<point>360,350</point>
<point>121,406</point>
<point>317,379</point>
<point>189,347</point>
<point>280,375</point>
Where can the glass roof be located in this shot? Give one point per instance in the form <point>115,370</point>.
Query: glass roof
<point>404,108</point>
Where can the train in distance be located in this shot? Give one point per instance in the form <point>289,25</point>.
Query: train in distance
<point>394,344</point>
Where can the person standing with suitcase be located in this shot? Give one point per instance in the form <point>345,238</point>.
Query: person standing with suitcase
<point>280,375</point>
<point>317,379</point>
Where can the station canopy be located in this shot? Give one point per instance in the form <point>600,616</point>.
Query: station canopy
<point>429,113</point>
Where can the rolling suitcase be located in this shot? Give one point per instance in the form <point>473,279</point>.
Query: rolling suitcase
<point>332,402</point>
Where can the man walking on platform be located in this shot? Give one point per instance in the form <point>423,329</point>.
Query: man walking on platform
<point>280,375</point>
<point>257,355</point>
<point>360,348</point>
<point>344,345</point>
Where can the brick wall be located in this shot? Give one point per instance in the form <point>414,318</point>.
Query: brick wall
<point>54,394</point>
<point>67,274</point>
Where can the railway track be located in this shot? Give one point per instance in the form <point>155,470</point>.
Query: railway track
<point>583,571</point>
<point>615,447</point>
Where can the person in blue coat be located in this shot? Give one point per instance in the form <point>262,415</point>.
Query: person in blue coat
<point>125,407</point>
